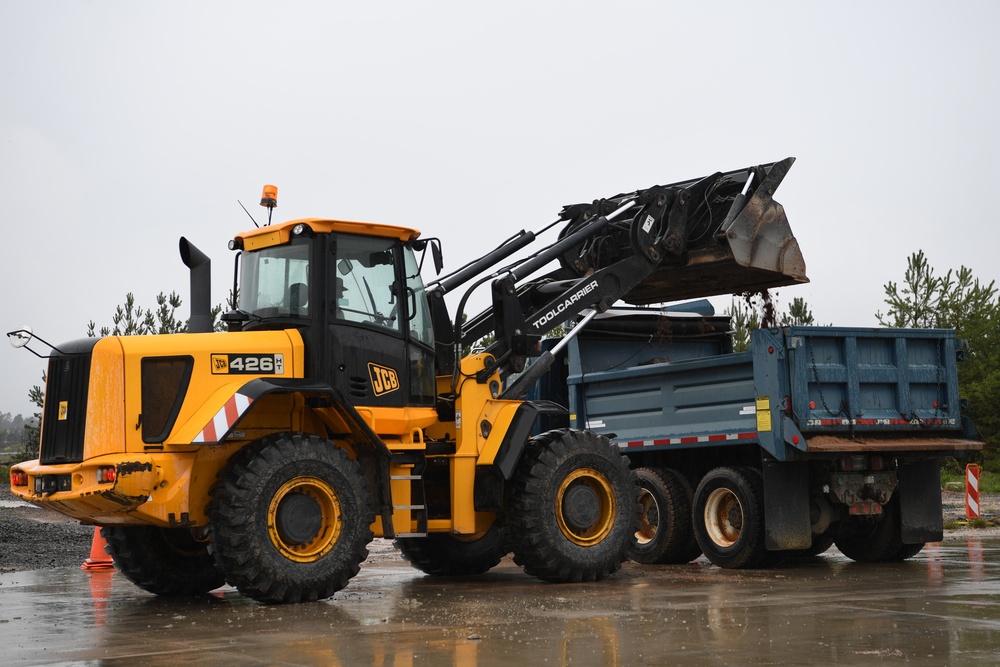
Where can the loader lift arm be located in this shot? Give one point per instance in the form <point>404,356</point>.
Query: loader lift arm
<point>719,234</point>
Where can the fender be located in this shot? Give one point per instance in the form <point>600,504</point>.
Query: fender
<point>372,454</point>
<point>499,458</point>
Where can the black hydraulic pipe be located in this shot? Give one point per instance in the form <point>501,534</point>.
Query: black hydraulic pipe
<point>201,287</point>
<point>553,251</point>
<point>450,282</point>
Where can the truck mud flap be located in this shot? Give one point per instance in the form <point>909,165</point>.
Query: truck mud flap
<point>787,524</point>
<point>920,501</point>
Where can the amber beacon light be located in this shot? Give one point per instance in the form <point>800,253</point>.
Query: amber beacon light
<point>269,197</point>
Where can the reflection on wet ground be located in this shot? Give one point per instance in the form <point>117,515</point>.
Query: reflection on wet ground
<point>941,608</point>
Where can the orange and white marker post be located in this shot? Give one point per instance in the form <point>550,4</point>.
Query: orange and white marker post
<point>972,491</point>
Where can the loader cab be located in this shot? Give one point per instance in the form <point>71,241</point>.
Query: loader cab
<point>355,293</point>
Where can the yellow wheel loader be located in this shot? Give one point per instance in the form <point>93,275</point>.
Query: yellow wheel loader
<point>339,404</point>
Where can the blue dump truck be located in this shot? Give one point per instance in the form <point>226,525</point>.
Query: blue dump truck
<point>814,436</point>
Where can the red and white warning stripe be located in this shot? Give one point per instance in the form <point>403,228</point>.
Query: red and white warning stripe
<point>972,491</point>
<point>688,440</point>
<point>224,418</point>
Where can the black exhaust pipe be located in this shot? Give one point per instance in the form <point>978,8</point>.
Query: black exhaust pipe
<point>201,287</point>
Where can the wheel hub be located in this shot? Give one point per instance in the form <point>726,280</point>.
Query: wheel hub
<point>299,519</point>
<point>649,518</point>
<point>585,507</point>
<point>304,519</point>
<point>723,517</point>
<point>581,507</point>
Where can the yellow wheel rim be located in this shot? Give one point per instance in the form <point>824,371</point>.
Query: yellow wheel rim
<point>585,507</point>
<point>304,519</point>
<point>723,517</point>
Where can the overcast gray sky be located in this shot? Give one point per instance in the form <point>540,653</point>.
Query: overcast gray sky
<point>124,125</point>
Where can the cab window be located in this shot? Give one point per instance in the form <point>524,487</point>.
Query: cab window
<point>275,281</point>
<point>365,286</point>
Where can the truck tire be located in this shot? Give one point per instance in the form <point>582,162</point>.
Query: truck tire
<point>445,555</point>
<point>692,549</point>
<point>572,507</point>
<point>664,534</point>
<point>291,519</point>
<point>729,517</point>
<point>163,561</point>
<point>871,540</point>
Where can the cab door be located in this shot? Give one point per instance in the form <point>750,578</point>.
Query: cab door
<point>377,345</point>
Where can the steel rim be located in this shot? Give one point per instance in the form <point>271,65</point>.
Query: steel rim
<point>649,518</point>
<point>585,507</point>
<point>303,519</point>
<point>723,517</point>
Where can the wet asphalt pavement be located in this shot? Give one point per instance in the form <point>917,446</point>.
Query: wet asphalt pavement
<point>941,608</point>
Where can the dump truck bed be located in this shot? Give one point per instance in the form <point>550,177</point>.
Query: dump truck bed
<point>798,392</point>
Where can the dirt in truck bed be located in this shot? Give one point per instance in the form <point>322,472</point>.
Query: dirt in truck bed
<point>35,539</point>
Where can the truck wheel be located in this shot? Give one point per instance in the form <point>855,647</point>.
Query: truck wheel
<point>873,540</point>
<point>572,510</point>
<point>665,529</point>
<point>691,549</point>
<point>291,519</point>
<point>445,555</point>
<point>729,517</point>
<point>163,561</point>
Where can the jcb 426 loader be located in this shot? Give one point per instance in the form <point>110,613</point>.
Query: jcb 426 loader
<point>339,405</point>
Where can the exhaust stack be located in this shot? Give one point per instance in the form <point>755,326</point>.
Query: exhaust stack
<point>201,287</point>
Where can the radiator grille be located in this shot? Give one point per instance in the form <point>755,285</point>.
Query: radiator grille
<point>65,416</point>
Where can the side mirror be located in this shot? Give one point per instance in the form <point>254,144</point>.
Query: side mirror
<point>20,337</point>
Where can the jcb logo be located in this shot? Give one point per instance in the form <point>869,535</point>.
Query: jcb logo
<point>384,379</point>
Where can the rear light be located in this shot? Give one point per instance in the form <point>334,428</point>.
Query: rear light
<point>106,474</point>
<point>865,508</point>
<point>852,463</point>
<point>877,463</point>
<point>18,478</point>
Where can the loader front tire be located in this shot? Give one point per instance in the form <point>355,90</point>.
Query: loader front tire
<point>445,555</point>
<point>572,507</point>
<point>163,561</point>
<point>291,519</point>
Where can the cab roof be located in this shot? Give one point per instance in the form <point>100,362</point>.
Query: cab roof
<point>280,233</point>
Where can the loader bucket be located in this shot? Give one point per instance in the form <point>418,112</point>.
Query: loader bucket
<point>751,249</point>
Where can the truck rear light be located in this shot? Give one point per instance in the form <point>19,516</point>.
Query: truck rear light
<point>852,463</point>
<point>106,474</point>
<point>18,478</point>
<point>876,463</point>
<point>865,508</point>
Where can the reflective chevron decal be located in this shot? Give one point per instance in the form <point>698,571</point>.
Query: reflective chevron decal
<point>224,419</point>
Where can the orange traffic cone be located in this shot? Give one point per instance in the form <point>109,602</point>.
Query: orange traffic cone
<point>99,559</point>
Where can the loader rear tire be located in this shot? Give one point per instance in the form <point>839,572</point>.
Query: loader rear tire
<point>163,561</point>
<point>572,507</point>
<point>445,555</point>
<point>729,517</point>
<point>291,519</point>
<point>665,532</point>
